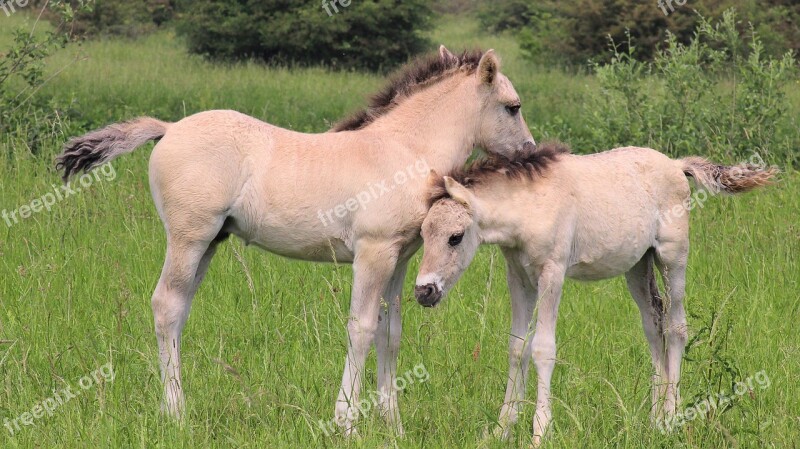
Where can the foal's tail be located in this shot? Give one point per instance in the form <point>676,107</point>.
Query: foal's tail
<point>102,145</point>
<point>727,179</point>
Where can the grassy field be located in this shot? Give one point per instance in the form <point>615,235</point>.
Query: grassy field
<point>264,346</point>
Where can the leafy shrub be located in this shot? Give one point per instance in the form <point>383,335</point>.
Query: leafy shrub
<point>453,6</point>
<point>575,32</point>
<point>717,95</point>
<point>504,15</point>
<point>130,18</point>
<point>376,34</point>
<point>23,113</point>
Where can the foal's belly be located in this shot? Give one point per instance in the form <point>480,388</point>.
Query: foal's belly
<point>607,267</point>
<point>333,250</point>
<point>296,241</point>
<point>608,263</point>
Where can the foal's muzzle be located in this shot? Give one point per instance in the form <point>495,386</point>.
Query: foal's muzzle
<point>428,295</point>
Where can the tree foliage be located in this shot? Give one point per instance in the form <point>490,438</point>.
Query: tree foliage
<point>372,34</point>
<point>577,31</point>
<point>130,18</point>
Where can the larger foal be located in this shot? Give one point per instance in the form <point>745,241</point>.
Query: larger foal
<point>592,217</point>
<point>220,172</point>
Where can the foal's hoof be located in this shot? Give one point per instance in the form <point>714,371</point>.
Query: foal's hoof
<point>502,433</point>
<point>497,432</point>
<point>392,419</point>
<point>173,412</point>
<point>349,430</point>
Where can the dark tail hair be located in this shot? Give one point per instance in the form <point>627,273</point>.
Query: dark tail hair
<point>100,146</point>
<point>728,179</point>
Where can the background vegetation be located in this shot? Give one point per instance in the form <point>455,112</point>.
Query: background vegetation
<point>264,346</point>
<point>574,32</point>
<point>376,35</point>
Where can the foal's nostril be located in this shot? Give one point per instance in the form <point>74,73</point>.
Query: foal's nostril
<point>423,291</point>
<point>428,295</point>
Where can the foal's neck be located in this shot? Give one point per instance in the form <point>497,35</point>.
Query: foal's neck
<point>439,123</point>
<point>496,214</point>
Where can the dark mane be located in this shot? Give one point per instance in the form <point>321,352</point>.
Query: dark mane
<point>527,165</point>
<point>410,79</point>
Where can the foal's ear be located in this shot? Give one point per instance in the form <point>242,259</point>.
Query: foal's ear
<point>445,54</point>
<point>433,177</point>
<point>488,67</point>
<point>458,192</point>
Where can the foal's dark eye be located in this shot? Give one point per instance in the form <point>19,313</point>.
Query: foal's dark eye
<point>513,110</point>
<point>455,239</point>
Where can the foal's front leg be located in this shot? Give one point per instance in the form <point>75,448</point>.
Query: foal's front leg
<point>372,270</point>
<point>544,343</point>
<point>523,301</point>
<point>387,345</point>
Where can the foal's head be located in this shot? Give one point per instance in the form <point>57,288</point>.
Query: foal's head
<point>502,129</point>
<point>485,104</point>
<point>452,229</point>
<point>451,238</point>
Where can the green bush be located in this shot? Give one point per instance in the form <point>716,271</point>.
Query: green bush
<point>575,32</point>
<point>376,35</point>
<point>25,114</point>
<point>130,18</point>
<point>504,15</point>
<point>455,7</point>
<point>719,95</point>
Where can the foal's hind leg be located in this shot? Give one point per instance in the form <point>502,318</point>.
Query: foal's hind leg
<point>671,258</point>
<point>184,268</point>
<point>202,267</point>
<point>642,285</point>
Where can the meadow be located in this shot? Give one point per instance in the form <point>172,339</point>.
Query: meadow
<point>264,345</point>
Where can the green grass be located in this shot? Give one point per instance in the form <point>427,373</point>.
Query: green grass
<point>265,344</point>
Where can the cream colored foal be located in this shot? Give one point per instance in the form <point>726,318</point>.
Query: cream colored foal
<point>218,173</point>
<point>592,217</point>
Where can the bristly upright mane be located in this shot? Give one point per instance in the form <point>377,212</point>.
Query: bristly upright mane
<point>410,79</point>
<point>530,163</point>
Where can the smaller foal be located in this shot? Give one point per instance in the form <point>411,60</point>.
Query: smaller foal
<point>557,215</point>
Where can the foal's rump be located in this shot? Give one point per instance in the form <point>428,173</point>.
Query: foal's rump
<point>628,167</point>
<point>620,195</point>
<point>631,199</point>
<point>197,170</point>
<point>191,134</point>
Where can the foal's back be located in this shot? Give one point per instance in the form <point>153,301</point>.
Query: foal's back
<point>617,205</point>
